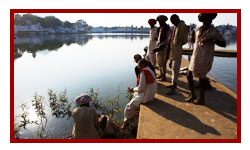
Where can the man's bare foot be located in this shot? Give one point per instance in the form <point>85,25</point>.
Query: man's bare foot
<point>124,126</point>
<point>199,102</point>
<point>190,98</point>
<point>158,77</point>
<point>169,86</point>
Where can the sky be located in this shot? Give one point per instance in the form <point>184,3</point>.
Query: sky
<point>135,19</point>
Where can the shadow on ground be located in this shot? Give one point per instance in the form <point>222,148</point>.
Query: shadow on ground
<point>218,101</point>
<point>180,117</point>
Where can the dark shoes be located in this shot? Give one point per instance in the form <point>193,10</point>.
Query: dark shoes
<point>172,90</point>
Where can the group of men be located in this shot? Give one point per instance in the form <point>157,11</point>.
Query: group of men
<point>166,44</point>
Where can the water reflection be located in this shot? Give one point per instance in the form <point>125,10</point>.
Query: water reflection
<point>33,44</point>
<point>231,42</point>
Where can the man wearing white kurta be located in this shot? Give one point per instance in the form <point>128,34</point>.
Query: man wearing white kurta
<point>202,59</point>
<point>151,56</point>
<point>162,45</point>
<point>143,93</point>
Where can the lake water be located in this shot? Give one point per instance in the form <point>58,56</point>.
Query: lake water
<point>80,62</point>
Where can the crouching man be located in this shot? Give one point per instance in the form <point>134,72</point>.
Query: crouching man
<point>86,124</point>
<point>143,93</point>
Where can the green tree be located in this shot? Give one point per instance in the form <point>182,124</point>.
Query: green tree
<point>29,17</point>
<point>67,24</point>
<point>53,22</point>
<point>18,20</point>
<point>89,28</point>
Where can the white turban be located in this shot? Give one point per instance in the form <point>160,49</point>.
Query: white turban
<point>83,99</point>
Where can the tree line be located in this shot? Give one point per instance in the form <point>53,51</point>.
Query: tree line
<point>47,22</point>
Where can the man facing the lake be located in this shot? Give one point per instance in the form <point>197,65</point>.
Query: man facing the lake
<point>137,58</point>
<point>86,124</point>
<point>151,56</point>
<point>201,62</point>
<point>143,92</point>
<point>162,45</point>
<point>178,38</point>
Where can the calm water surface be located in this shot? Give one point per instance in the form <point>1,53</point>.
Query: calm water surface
<point>80,62</point>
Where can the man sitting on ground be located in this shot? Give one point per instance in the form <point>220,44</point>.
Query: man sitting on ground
<point>143,93</point>
<point>138,57</point>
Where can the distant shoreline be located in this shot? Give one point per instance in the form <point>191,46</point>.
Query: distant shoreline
<point>85,33</point>
<point>45,33</point>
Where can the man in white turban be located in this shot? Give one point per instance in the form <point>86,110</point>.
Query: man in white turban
<point>86,124</point>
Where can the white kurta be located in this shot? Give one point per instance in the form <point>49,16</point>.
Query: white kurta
<point>176,43</point>
<point>86,125</point>
<point>151,56</point>
<point>161,55</point>
<point>142,94</point>
<point>203,54</point>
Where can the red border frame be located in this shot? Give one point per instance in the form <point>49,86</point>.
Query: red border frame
<point>13,11</point>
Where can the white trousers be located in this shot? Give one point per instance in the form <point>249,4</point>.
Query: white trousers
<point>151,56</point>
<point>176,64</point>
<point>131,108</point>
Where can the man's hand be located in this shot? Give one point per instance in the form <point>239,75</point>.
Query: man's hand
<point>130,89</point>
<point>205,40</point>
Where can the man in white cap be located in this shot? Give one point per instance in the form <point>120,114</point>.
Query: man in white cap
<point>162,45</point>
<point>153,36</point>
<point>86,124</point>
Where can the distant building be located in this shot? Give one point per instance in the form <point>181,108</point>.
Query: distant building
<point>35,27</point>
<point>98,29</point>
<point>50,30</point>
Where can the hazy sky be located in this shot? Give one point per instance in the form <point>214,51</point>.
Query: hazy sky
<point>135,19</point>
